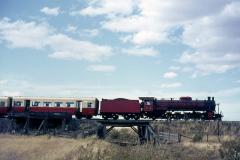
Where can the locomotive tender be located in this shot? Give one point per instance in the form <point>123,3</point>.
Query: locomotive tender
<point>145,107</point>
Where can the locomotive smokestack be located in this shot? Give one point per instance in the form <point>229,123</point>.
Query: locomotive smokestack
<point>209,98</point>
<point>212,98</point>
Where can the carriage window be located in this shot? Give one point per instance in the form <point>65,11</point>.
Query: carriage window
<point>70,104</point>
<point>18,103</point>
<point>2,103</point>
<point>58,104</point>
<point>36,104</point>
<point>47,104</point>
<point>147,103</point>
<point>89,104</point>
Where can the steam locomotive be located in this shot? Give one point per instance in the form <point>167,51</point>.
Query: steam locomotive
<point>144,107</point>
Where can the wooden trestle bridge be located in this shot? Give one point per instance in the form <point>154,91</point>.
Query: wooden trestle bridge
<point>143,128</point>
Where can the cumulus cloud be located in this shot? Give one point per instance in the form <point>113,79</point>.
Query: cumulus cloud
<point>102,68</point>
<point>22,34</point>
<point>148,37</point>
<point>215,47</point>
<point>209,31</point>
<point>82,32</point>
<point>206,63</point>
<point>108,7</point>
<point>155,21</point>
<point>89,32</point>
<point>136,51</point>
<point>51,11</point>
<point>68,48</point>
<point>170,75</point>
<point>71,28</point>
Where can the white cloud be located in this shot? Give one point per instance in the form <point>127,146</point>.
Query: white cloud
<point>170,75</point>
<point>24,34</point>
<point>68,48</point>
<point>71,28</point>
<point>50,11</point>
<point>21,34</point>
<point>149,37</point>
<point>83,32</point>
<point>109,7</point>
<point>126,39</point>
<point>215,39</point>
<point>209,31</point>
<point>155,21</point>
<point>102,68</point>
<point>89,32</point>
<point>206,63</point>
<point>136,51</point>
<point>171,85</point>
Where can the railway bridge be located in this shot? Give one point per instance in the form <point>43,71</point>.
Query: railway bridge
<point>142,128</point>
<point>100,127</point>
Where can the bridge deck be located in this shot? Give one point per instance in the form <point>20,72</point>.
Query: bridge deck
<point>33,115</point>
<point>124,123</point>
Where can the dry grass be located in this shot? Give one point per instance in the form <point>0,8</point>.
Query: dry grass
<point>13,147</point>
<point>43,147</point>
<point>55,148</point>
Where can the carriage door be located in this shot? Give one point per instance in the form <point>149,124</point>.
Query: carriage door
<point>9,103</point>
<point>27,105</point>
<point>79,106</point>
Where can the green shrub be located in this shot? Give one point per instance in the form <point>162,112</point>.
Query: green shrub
<point>197,137</point>
<point>114,134</point>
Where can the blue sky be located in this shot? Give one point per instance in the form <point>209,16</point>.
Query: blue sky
<point>130,48</point>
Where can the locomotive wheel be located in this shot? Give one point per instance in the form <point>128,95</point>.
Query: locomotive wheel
<point>89,117</point>
<point>115,117</point>
<point>78,116</point>
<point>126,117</point>
<point>105,117</point>
<point>136,117</point>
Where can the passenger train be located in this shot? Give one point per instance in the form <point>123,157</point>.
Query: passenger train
<point>144,107</point>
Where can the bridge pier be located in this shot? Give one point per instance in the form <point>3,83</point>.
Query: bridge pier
<point>142,128</point>
<point>39,120</point>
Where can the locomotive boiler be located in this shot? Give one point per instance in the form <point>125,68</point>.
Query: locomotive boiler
<point>183,108</point>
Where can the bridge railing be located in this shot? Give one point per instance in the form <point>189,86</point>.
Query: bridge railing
<point>169,137</point>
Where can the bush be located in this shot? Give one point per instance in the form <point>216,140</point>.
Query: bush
<point>114,134</point>
<point>197,138</point>
<point>230,150</point>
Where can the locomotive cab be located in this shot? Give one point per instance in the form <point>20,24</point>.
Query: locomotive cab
<point>211,104</point>
<point>186,98</point>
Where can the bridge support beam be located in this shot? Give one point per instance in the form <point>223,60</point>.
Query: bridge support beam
<point>142,128</point>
